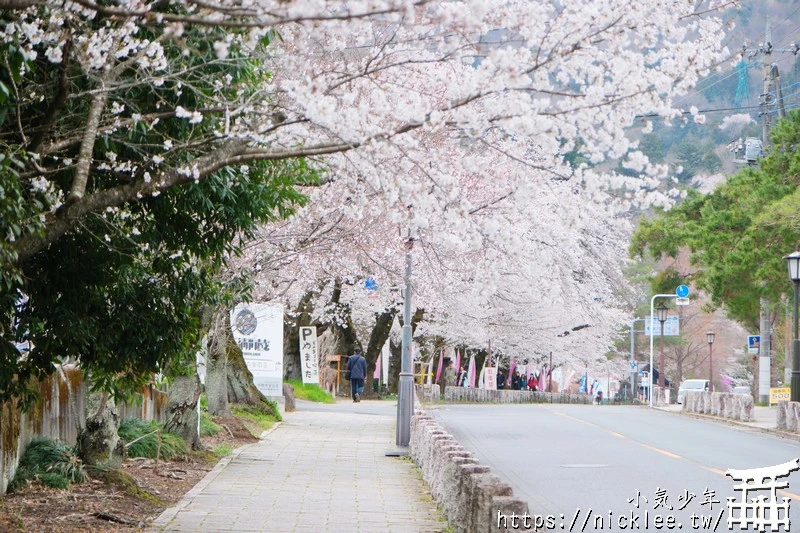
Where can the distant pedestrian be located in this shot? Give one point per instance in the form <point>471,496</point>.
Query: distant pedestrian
<point>517,381</point>
<point>461,380</point>
<point>357,370</point>
<point>449,375</point>
<point>501,379</point>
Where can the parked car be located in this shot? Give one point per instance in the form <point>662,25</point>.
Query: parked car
<point>744,389</point>
<point>691,384</point>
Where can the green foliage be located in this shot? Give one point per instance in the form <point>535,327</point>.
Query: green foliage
<point>652,146</point>
<point>122,289</point>
<point>310,392</point>
<point>50,462</point>
<point>207,425</point>
<point>693,156</point>
<point>142,440</point>
<point>739,234</point>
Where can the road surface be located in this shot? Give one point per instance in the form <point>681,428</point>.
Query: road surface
<point>586,468</point>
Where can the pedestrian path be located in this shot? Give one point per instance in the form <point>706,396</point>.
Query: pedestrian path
<point>323,469</point>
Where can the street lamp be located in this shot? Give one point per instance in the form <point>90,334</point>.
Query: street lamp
<point>661,313</point>
<point>710,339</point>
<point>793,262</point>
<point>405,388</point>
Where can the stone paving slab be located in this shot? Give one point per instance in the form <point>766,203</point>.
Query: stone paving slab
<point>317,471</point>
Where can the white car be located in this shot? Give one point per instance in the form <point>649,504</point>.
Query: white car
<point>692,384</point>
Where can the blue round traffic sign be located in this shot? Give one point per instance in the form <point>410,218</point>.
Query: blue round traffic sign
<point>682,291</point>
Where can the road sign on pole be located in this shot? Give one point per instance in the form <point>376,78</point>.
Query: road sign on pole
<point>753,343</point>
<point>682,301</point>
<point>682,291</point>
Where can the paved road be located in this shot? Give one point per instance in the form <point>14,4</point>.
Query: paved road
<point>562,458</point>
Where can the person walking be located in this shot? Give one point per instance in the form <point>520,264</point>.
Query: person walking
<point>449,374</point>
<point>357,370</point>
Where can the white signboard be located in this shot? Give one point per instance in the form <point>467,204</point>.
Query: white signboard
<point>672,326</point>
<point>490,378</point>
<point>309,360</point>
<point>258,330</point>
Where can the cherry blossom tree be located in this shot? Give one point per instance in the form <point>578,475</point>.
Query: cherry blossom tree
<point>399,105</point>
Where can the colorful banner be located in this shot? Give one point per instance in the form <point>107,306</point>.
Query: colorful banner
<point>377,373</point>
<point>471,372</point>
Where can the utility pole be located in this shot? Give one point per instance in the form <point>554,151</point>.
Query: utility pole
<point>634,371</point>
<point>771,103</point>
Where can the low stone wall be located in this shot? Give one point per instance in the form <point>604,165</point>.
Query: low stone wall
<point>428,393</point>
<point>789,416</point>
<point>463,394</point>
<point>721,404</point>
<point>472,498</point>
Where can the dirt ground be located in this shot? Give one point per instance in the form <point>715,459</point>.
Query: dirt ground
<point>117,504</point>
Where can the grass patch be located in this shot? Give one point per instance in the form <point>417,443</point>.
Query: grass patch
<point>142,440</point>
<point>310,392</point>
<point>262,418</point>
<point>207,425</point>
<point>223,450</point>
<point>50,462</point>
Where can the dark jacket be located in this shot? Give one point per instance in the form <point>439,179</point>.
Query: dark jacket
<point>357,366</point>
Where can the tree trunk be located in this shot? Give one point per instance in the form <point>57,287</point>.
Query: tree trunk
<point>396,350</point>
<point>291,344</point>
<point>183,415</point>
<point>239,383</point>
<point>217,341</point>
<point>99,442</point>
<point>378,337</point>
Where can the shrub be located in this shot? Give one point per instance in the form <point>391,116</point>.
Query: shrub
<point>53,480</point>
<point>142,440</point>
<point>50,462</point>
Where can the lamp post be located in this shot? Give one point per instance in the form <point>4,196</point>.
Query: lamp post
<point>650,318</point>
<point>710,339</point>
<point>793,262</point>
<point>405,387</point>
<point>661,312</point>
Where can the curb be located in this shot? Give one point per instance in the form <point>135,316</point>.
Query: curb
<point>167,515</point>
<point>736,423</point>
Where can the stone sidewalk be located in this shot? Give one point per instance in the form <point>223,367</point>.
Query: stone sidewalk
<point>763,417</point>
<point>322,469</point>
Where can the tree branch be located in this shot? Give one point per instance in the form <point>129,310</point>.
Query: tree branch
<point>66,219</point>
<point>87,147</point>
